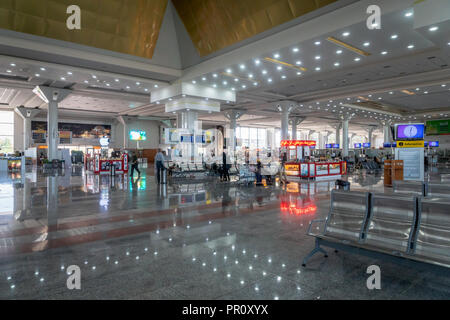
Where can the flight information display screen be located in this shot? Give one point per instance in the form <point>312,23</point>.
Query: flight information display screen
<point>410,131</point>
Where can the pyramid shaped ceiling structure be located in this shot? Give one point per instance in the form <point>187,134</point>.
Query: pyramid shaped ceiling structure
<point>124,26</point>
<point>216,24</point>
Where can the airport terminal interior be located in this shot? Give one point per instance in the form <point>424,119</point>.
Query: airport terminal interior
<point>229,150</point>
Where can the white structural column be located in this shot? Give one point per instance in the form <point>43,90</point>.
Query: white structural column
<point>285,107</point>
<point>233,116</point>
<point>370,131</point>
<point>338,128</point>
<point>345,137</point>
<point>27,115</point>
<point>350,139</point>
<point>310,133</point>
<point>387,131</point>
<point>52,96</point>
<point>327,139</point>
<point>295,121</point>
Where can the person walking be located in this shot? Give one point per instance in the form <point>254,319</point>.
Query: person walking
<point>134,165</point>
<point>283,177</point>
<point>159,165</point>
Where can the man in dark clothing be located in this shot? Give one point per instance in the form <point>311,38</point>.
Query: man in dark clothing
<point>159,164</point>
<point>134,165</point>
<point>225,173</point>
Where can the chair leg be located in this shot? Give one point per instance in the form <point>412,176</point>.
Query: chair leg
<point>313,252</point>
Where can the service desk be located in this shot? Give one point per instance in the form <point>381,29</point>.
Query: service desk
<point>315,170</point>
<point>98,165</point>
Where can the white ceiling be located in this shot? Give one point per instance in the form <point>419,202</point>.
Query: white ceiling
<point>370,88</point>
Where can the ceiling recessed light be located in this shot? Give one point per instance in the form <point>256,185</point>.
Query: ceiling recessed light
<point>257,61</point>
<point>426,92</point>
<point>138,83</point>
<point>255,83</point>
<point>283,77</point>
<point>357,59</point>
<point>295,50</point>
<point>242,66</point>
<point>434,28</point>
<point>116,80</point>
<point>108,85</point>
<point>146,90</point>
<point>264,72</point>
<point>299,73</point>
<point>236,79</point>
<point>443,85</point>
<point>203,79</point>
<point>276,55</point>
<point>317,57</point>
<point>225,83</point>
<point>298,63</point>
<point>94,76</point>
<point>384,52</point>
<point>215,74</point>
<point>229,71</point>
<point>317,43</point>
<point>346,34</point>
<point>269,80</point>
<point>366,44</point>
<point>233,89</point>
<point>9,71</point>
<point>417,89</point>
<point>409,14</point>
<point>85,81</point>
<point>69,73</point>
<point>337,64</point>
<point>244,86</point>
<point>12,64</point>
<point>411,46</point>
<point>215,85</point>
<point>194,82</point>
<point>394,36</point>
<point>317,68</point>
<point>339,51</point>
<point>156,86</point>
<point>37,75</point>
<point>63,79</point>
<point>128,87</point>
<point>43,69</point>
<point>250,76</point>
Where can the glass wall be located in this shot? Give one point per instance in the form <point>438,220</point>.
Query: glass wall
<point>6,131</point>
<point>253,138</point>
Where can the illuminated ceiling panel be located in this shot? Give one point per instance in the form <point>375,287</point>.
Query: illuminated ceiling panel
<point>125,26</point>
<point>217,24</point>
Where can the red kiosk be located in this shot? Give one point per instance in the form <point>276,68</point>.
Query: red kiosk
<point>299,166</point>
<point>96,164</point>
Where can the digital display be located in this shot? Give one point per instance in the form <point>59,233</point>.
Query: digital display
<point>357,145</point>
<point>434,144</point>
<point>410,131</point>
<point>200,139</point>
<point>329,146</point>
<point>138,135</point>
<point>366,145</point>
<point>336,146</point>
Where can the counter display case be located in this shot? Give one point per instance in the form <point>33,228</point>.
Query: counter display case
<point>99,165</point>
<point>315,170</point>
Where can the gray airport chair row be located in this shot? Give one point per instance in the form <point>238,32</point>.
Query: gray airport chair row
<point>410,228</point>
<point>422,188</point>
<point>186,169</point>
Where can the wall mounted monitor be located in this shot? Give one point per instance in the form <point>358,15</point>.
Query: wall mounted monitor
<point>357,145</point>
<point>434,144</point>
<point>138,135</point>
<point>366,145</point>
<point>410,131</point>
<point>336,146</point>
<point>329,146</point>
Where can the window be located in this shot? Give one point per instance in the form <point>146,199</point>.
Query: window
<point>6,131</point>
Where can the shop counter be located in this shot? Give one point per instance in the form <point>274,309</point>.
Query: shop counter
<point>315,170</point>
<point>98,165</point>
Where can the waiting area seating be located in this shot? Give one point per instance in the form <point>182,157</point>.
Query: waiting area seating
<point>425,189</point>
<point>408,229</point>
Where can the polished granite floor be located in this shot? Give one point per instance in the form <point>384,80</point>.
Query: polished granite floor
<point>134,239</point>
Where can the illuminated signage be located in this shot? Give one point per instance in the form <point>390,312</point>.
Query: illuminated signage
<point>138,135</point>
<point>411,144</point>
<point>434,144</point>
<point>104,142</point>
<point>410,131</point>
<point>357,145</point>
<point>329,146</point>
<point>336,146</point>
<point>366,145</point>
<point>298,143</point>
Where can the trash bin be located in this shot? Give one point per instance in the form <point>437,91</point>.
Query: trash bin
<point>163,175</point>
<point>343,185</point>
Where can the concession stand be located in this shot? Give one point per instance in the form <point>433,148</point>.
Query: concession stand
<point>300,165</point>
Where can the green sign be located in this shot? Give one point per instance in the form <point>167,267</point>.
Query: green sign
<point>438,127</point>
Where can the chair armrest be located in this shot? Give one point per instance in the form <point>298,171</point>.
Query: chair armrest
<point>309,233</point>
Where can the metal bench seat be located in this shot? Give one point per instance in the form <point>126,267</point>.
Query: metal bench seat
<point>391,223</point>
<point>410,187</point>
<point>432,239</point>
<point>438,190</point>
